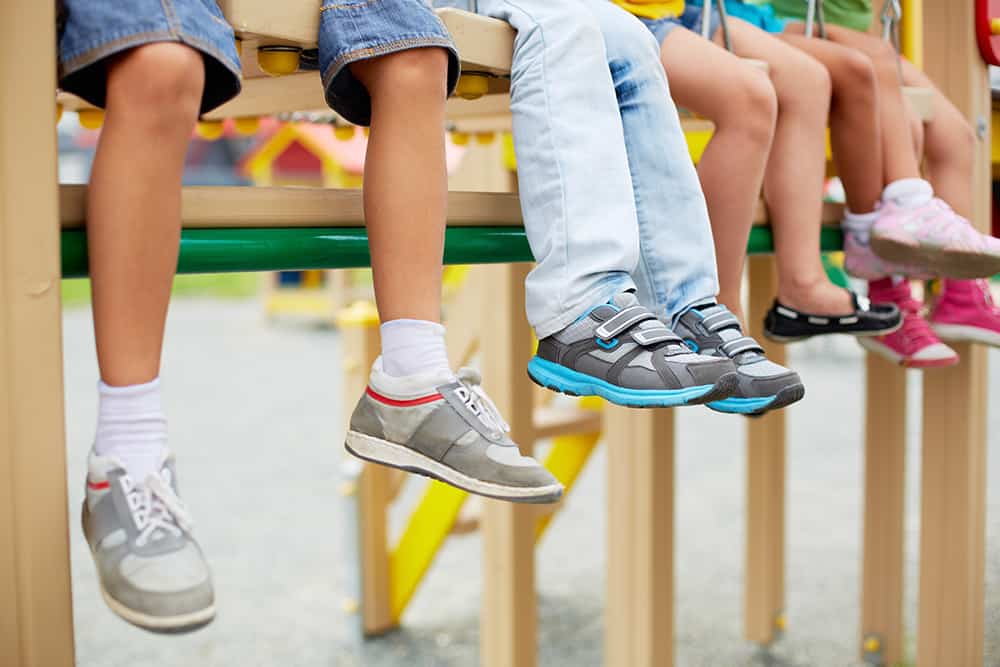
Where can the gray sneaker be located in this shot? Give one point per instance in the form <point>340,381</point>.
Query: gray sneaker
<point>623,353</point>
<point>763,384</point>
<point>152,572</point>
<point>446,428</point>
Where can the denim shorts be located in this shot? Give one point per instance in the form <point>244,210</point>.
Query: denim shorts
<point>690,19</point>
<point>354,30</point>
<point>91,31</point>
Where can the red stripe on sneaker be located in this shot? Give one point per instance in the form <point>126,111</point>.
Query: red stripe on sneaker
<point>430,398</point>
<point>99,486</point>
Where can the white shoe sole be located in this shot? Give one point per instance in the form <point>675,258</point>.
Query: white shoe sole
<point>181,623</point>
<point>876,347</point>
<point>391,454</point>
<point>965,333</point>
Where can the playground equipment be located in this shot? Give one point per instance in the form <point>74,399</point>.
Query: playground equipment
<point>230,229</point>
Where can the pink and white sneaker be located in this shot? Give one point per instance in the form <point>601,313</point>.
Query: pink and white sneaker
<point>966,312</point>
<point>913,345</point>
<point>861,261</point>
<point>933,236</point>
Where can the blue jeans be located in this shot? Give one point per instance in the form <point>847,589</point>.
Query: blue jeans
<point>609,194</point>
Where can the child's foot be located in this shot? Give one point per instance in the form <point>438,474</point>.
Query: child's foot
<point>763,385</point>
<point>446,428</point>
<point>786,325</point>
<point>965,312</point>
<point>152,572</point>
<point>861,261</point>
<point>914,345</point>
<point>623,353</point>
<point>935,237</point>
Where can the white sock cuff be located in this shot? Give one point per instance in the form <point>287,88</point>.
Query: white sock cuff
<point>859,223</point>
<point>134,398</point>
<point>908,192</point>
<point>393,327</point>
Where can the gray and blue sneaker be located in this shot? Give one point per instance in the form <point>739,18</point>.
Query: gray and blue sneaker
<point>152,572</point>
<point>446,428</point>
<point>763,385</point>
<point>621,352</point>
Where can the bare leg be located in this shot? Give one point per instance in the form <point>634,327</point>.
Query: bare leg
<point>406,180</point>
<point>793,182</point>
<point>741,102</point>
<point>949,146</point>
<point>133,209</point>
<point>854,119</point>
<point>899,162</point>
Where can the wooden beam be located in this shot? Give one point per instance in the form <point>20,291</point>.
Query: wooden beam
<point>953,481</point>
<point>215,207</point>
<point>508,625</point>
<point>764,574</point>
<point>884,512</point>
<point>639,619</point>
<point>36,619</point>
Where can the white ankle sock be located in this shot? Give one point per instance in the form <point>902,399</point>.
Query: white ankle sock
<point>859,224</point>
<point>131,427</point>
<point>411,347</point>
<point>908,192</point>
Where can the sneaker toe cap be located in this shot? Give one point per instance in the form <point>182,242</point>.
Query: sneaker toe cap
<point>166,585</point>
<point>935,352</point>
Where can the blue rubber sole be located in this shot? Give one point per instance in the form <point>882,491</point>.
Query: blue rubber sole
<point>742,406</point>
<point>568,381</point>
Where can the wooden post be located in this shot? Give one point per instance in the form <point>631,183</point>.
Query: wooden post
<point>639,620</point>
<point>764,575</point>
<point>508,626</point>
<point>36,618</point>
<point>953,482</point>
<point>361,345</point>
<point>883,545</point>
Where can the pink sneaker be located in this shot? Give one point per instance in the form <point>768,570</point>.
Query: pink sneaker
<point>861,262</point>
<point>965,311</point>
<point>935,237</point>
<point>913,345</point>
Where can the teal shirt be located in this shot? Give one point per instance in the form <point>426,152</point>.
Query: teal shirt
<point>855,14</point>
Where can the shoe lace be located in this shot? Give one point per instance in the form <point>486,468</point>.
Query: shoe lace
<point>155,508</point>
<point>479,403</point>
<point>915,330</point>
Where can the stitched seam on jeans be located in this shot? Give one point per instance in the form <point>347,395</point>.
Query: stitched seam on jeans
<point>382,49</point>
<point>326,8</point>
<point>564,224</point>
<point>172,20</point>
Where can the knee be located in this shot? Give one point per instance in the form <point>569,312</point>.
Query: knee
<point>856,79</point>
<point>411,74</point>
<point>753,108</point>
<point>806,87</point>
<point>160,84</point>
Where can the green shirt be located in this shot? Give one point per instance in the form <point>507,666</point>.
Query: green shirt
<point>856,14</point>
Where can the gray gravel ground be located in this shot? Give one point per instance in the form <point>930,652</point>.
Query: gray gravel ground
<point>254,420</point>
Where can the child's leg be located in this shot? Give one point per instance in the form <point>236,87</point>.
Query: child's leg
<point>742,104</point>
<point>898,160</point>
<point>949,145</point>
<point>415,414</point>
<point>793,183</point>
<point>675,271</point>
<point>406,180</point>
<point>854,122</point>
<point>133,229</point>
<point>405,196</point>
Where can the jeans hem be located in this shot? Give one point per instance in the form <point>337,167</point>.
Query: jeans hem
<point>591,298</point>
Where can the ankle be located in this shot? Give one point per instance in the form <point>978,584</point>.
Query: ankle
<point>413,347</point>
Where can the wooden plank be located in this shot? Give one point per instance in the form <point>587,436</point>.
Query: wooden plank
<point>508,624</point>
<point>639,620</point>
<point>764,575</point>
<point>953,482</point>
<point>884,511</point>
<point>215,207</point>
<point>36,620</point>
<point>552,422</point>
<point>360,334</point>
